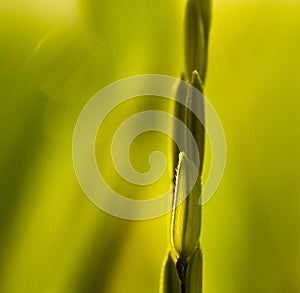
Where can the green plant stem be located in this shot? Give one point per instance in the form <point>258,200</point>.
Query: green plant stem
<point>182,272</point>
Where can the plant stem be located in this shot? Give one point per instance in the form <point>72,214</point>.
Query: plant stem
<point>183,269</point>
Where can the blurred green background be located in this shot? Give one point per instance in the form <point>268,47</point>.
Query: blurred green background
<point>54,55</point>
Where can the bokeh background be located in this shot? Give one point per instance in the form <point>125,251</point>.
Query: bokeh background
<point>54,55</point>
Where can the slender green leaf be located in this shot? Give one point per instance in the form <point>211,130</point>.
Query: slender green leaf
<point>186,214</point>
<point>193,280</point>
<point>170,282</point>
<point>194,40</point>
<point>197,28</point>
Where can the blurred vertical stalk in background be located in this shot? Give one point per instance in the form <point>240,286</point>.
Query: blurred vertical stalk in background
<point>182,270</point>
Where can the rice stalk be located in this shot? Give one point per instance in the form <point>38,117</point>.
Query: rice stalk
<point>182,270</point>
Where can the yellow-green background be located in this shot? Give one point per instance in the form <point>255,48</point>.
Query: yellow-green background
<point>54,55</point>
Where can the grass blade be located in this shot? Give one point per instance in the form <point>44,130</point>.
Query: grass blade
<point>170,282</point>
<point>186,214</point>
<point>193,281</point>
